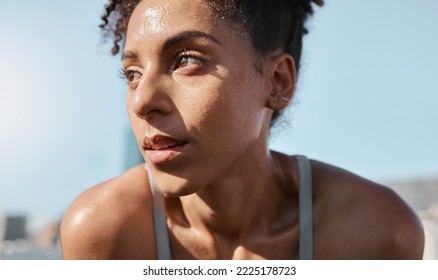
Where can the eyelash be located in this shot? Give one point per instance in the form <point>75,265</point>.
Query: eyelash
<point>121,74</point>
<point>179,54</point>
<point>184,53</point>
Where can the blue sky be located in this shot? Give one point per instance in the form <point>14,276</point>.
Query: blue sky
<point>366,99</point>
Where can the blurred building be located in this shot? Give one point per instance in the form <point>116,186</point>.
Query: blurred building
<point>15,228</point>
<point>17,244</point>
<point>13,234</point>
<point>422,195</point>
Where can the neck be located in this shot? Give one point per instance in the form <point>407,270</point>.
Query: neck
<point>248,196</point>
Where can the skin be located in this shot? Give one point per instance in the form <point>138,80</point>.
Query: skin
<point>227,196</point>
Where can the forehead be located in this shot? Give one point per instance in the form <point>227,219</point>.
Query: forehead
<point>159,17</point>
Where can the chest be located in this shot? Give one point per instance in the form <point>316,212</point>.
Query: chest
<point>188,245</point>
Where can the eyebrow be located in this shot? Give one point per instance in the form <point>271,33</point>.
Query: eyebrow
<point>189,35</point>
<point>129,55</point>
<point>174,40</point>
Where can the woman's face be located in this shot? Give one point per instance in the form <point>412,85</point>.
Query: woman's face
<point>196,102</point>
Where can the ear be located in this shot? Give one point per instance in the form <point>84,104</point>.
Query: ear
<point>283,77</point>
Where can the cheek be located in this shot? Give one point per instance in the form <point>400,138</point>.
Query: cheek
<point>134,120</point>
<point>244,98</point>
<point>202,109</point>
<point>131,114</point>
<point>221,108</point>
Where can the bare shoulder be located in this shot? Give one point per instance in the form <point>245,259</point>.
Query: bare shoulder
<point>359,219</point>
<point>111,220</point>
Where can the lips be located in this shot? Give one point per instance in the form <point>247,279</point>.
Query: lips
<point>160,149</point>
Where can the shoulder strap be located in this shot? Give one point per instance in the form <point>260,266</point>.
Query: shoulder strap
<point>305,214</point>
<point>305,208</point>
<point>160,224</point>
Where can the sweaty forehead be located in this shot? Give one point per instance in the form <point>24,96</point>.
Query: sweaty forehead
<point>159,17</point>
<point>152,18</point>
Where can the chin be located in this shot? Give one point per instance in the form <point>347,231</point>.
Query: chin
<point>171,185</point>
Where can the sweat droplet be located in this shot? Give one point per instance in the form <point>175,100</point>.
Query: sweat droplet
<point>153,21</point>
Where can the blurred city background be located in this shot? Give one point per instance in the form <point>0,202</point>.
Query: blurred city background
<point>366,101</point>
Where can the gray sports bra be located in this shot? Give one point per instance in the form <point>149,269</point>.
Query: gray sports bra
<point>305,214</point>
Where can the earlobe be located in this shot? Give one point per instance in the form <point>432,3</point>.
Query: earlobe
<point>283,77</point>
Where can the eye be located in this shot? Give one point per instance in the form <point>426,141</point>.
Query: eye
<point>130,75</point>
<point>186,59</point>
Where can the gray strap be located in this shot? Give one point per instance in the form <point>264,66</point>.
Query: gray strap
<point>305,208</point>
<point>305,214</point>
<point>160,223</point>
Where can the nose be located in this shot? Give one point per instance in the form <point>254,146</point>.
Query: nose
<point>152,96</point>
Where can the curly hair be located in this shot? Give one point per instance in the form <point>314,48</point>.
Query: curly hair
<point>270,24</point>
